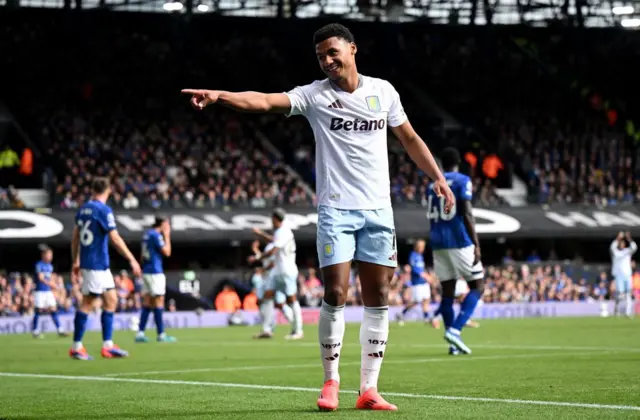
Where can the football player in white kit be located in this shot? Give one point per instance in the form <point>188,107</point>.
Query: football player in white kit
<point>349,114</point>
<point>259,281</point>
<point>621,249</point>
<point>283,277</point>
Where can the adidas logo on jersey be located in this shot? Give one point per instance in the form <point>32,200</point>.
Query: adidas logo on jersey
<point>336,104</point>
<point>357,125</point>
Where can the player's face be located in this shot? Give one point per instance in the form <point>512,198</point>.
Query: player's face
<point>47,256</point>
<point>276,223</point>
<point>420,247</point>
<point>335,56</point>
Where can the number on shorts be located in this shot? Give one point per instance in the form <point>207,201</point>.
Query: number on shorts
<point>435,210</point>
<point>86,236</point>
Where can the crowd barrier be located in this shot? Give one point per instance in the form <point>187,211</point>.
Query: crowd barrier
<point>212,319</point>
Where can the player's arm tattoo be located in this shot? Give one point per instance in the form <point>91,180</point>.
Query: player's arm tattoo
<point>257,102</point>
<point>75,246</point>
<point>417,150</point>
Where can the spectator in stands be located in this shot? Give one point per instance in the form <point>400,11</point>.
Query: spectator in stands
<point>228,300</point>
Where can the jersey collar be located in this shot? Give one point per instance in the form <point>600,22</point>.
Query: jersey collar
<point>337,88</point>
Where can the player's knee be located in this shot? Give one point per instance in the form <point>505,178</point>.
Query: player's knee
<point>335,295</point>
<point>268,294</point>
<point>110,300</point>
<point>291,299</point>
<point>449,289</point>
<point>159,301</point>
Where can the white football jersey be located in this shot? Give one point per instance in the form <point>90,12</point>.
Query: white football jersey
<point>285,258</point>
<point>350,129</point>
<point>267,261</point>
<point>621,259</point>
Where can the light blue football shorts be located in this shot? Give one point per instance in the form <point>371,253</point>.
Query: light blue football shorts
<point>623,283</point>
<point>286,284</point>
<point>361,235</point>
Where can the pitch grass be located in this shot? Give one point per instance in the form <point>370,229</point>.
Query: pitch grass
<point>591,361</point>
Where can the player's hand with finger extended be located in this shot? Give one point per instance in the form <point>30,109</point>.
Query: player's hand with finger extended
<point>441,188</point>
<point>135,268</point>
<point>201,98</point>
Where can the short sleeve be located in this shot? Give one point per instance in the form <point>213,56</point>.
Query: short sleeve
<point>108,220</point>
<point>39,268</point>
<point>466,189</point>
<point>396,115</point>
<point>300,98</point>
<point>280,238</point>
<point>159,241</point>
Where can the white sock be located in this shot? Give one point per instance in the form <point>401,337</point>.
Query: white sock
<point>266,310</point>
<point>107,344</point>
<point>77,345</point>
<point>288,313</point>
<point>330,336</point>
<point>629,304</point>
<point>374,333</point>
<point>297,317</point>
<point>140,333</point>
<point>617,310</point>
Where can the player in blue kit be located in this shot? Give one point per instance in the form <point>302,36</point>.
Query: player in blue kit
<point>95,226</point>
<point>44,299</point>
<point>456,250</point>
<point>156,244</point>
<point>420,286</point>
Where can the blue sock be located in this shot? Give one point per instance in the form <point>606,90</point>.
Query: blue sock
<point>107,325</point>
<point>157,316</point>
<point>466,309</point>
<point>34,324</point>
<point>144,318</point>
<point>427,314</point>
<point>406,309</point>
<point>446,309</point>
<point>79,325</point>
<point>56,320</point>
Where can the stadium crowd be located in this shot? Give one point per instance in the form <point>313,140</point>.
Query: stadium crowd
<point>16,293</point>
<point>509,283</point>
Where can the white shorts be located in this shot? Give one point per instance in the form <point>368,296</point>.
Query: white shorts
<point>154,284</point>
<point>462,288</point>
<point>420,292</point>
<point>285,283</point>
<point>96,282</point>
<point>44,300</point>
<point>452,264</point>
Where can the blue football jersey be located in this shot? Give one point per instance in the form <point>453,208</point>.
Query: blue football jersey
<point>152,243</point>
<point>95,220</point>
<point>46,269</point>
<point>416,261</point>
<point>448,230</point>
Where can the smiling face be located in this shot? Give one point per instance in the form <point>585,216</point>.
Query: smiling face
<point>336,57</point>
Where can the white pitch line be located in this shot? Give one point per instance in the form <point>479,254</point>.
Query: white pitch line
<point>418,345</point>
<point>316,390</point>
<point>355,363</point>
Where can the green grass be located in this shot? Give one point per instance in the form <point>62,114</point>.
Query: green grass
<point>583,361</point>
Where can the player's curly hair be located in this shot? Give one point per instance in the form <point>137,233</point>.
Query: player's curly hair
<point>450,157</point>
<point>331,30</point>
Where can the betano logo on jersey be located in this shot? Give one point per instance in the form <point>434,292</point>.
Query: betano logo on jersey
<point>357,125</point>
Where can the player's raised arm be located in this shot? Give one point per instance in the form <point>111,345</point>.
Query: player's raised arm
<point>422,157</point>
<point>123,249</point>
<point>254,102</point>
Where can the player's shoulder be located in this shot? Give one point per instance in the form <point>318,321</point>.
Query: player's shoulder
<point>315,87</point>
<point>378,84</point>
<point>457,177</point>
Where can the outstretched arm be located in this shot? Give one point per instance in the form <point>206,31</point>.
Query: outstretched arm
<point>254,102</point>
<point>421,155</point>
